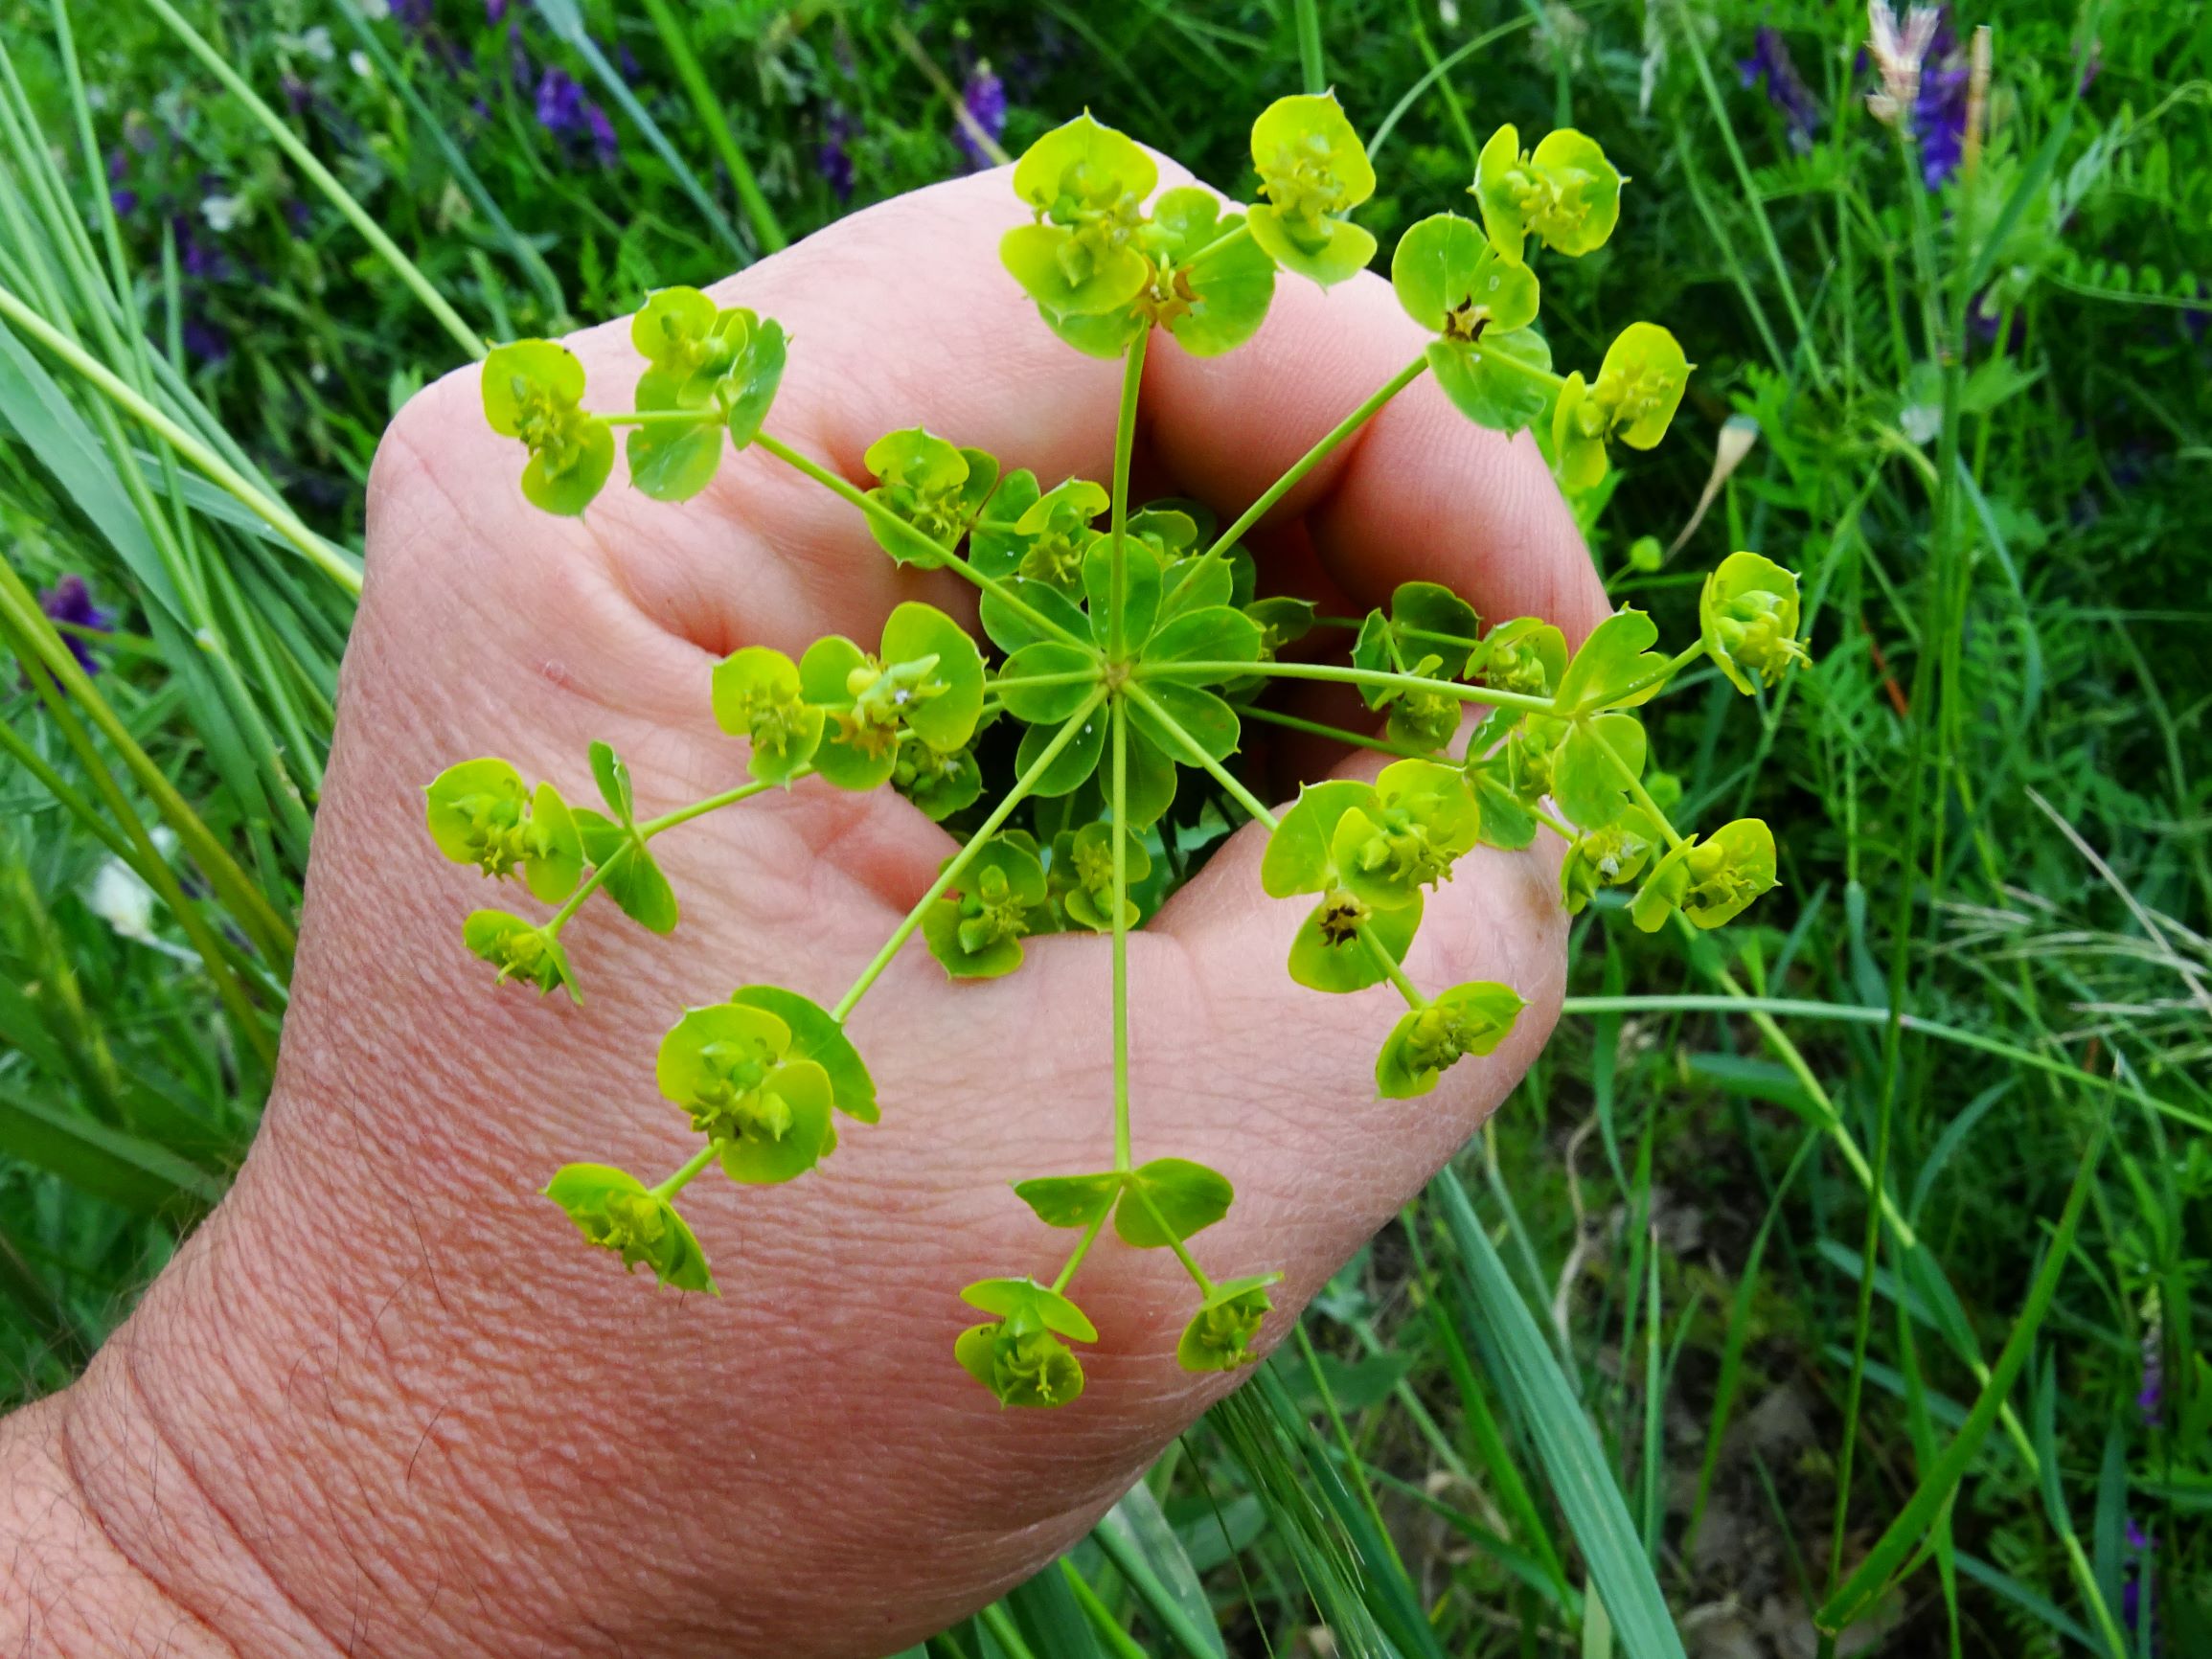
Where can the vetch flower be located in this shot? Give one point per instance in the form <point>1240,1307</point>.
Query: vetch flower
<point>1771,65</point>
<point>1939,113</point>
<point>984,99</point>
<point>70,601</point>
<point>834,156</point>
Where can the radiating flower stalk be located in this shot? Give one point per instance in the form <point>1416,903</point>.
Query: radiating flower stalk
<point>1126,642</point>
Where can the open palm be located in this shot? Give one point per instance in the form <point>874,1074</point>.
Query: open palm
<point>512,1446</point>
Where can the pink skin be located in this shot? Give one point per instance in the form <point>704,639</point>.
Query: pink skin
<point>384,1402</point>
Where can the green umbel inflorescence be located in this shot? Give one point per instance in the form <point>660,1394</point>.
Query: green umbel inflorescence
<point>1125,646</point>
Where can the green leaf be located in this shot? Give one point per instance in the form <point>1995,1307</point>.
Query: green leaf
<point>913,631</point>
<point>1204,718</point>
<point>1069,1201</point>
<point>1586,781</point>
<point>749,389</point>
<point>1219,1335</point>
<point>1616,655</point>
<point>1640,383</point>
<point>673,462</point>
<point>1009,1297</point>
<point>1210,634</point>
<point>1297,859</point>
<point>1748,616</point>
<point>615,1211</point>
<point>614,780</point>
<point>1169,1200</point>
<point>1074,763</point>
<point>1152,782</point>
<point>976,929</point>
<point>1328,954</point>
<point>757,697</point>
<point>554,862</point>
<point>1313,171</point>
<point>633,880</point>
<point>1141,592</point>
<point>1047,704</point>
<point>1430,618</point>
<point>815,1036</point>
<point>1502,383</point>
<point>1008,630</point>
<point>1221,284</point>
<point>1565,193</point>
<point>1468,1019</point>
<point>520,950</point>
<point>1454,284</point>
<point>128,1170</point>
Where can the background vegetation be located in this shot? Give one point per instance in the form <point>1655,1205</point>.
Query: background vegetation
<point>1644,1337</point>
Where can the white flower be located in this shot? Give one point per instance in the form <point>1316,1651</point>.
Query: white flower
<point>120,896</point>
<point>1898,55</point>
<point>223,212</point>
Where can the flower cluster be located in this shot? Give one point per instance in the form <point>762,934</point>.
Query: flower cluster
<point>1127,643</point>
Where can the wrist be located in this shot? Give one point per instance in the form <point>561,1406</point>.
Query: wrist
<point>66,1587</point>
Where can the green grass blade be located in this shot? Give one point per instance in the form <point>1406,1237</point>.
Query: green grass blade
<point>1908,1530</point>
<point>1574,1462</point>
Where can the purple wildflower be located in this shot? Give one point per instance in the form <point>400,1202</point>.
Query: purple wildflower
<point>125,202</point>
<point>69,600</point>
<point>413,14</point>
<point>1771,62</point>
<point>495,11</point>
<point>604,142</point>
<point>205,341</point>
<point>984,97</point>
<point>833,160</point>
<point>1939,113</point>
<point>559,102</point>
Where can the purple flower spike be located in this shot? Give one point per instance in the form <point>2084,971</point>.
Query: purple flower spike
<point>1939,113</point>
<point>1771,62</point>
<point>604,142</point>
<point>984,96</point>
<point>559,102</point>
<point>69,600</point>
<point>833,160</point>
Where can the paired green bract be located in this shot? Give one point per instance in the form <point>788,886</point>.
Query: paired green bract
<point>1127,643</point>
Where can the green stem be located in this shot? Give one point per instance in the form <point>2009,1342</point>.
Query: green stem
<point>1222,775</point>
<point>1083,1245</point>
<point>1175,1241</point>
<point>1022,786</point>
<point>1565,832</point>
<point>1315,456</point>
<point>745,791</point>
<point>1682,660</point>
<point>1125,447</point>
<point>339,566</point>
<point>1348,677</point>
<point>1074,677</point>
<point>1316,728</point>
<point>898,527</point>
<point>1390,968</point>
<point>323,180</point>
<point>1637,790</point>
<point>1119,826</point>
<point>682,1178</point>
<point>585,888</point>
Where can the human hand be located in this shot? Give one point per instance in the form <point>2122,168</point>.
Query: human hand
<point>384,1402</point>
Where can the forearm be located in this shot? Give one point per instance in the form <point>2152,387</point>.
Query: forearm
<point>66,1588</point>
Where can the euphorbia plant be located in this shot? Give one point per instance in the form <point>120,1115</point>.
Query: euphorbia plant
<point>1124,647</point>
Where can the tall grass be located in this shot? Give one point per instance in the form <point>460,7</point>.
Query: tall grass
<point>1846,1276</point>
